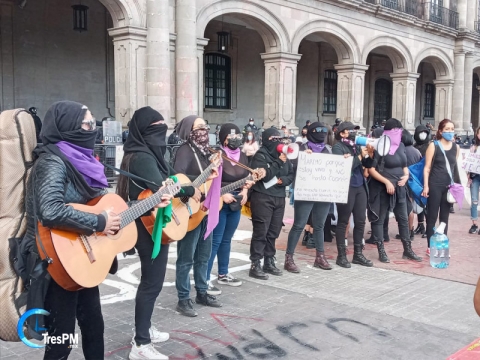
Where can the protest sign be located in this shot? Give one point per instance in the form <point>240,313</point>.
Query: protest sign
<point>323,177</point>
<point>471,163</point>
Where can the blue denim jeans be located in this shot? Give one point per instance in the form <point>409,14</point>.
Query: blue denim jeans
<point>292,196</point>
<point>194,251</point>
<point>474,187</point>
<point>222,239</point>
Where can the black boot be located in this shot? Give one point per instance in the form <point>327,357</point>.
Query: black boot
<point>412,234</point>
<point>269,266</point>
<point>305,238</point>
<point>408,252</point>
<point>359,258</point>
<point>420,229</point>
<point>371,240</point>
<point>310,242</point>
<point>382,255</point>
<point>256,271</point>
<point>342,256</point>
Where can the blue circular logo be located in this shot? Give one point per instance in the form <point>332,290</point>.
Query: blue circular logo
<point>38,329</point>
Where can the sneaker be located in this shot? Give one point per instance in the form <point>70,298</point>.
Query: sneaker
<point>145,352</point>
<point>185,308</point>
<point>207,300</point>
<point>155,335</point>
<point>213,290</point>
<point>473,229</point>
<point>427,252</point>
<point>227,280</point>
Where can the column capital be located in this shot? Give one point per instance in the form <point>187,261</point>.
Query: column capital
<point>444,82</point>
<point>351,67</point>
<point>201,43</point>
<point>128,32</point>
<point>280,56</point>
<point>470,55</point>
<point>404,76</point>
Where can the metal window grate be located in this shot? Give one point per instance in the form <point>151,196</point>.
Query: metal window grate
<point>429,111</point>
<point>217,81</point>
<point>330,92</point>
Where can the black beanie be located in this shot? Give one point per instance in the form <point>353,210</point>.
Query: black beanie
<point>392,124</point>
<point>225,130</point>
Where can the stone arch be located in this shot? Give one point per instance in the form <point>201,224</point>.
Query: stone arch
<point>125,12</point>
<point>440,61</point>
<point>342,41</point>
<point>271,29</point>
<point>397,52</point>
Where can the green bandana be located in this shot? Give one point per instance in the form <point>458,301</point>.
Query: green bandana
<point>164,216</point>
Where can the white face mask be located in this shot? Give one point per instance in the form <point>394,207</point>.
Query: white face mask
<point>251,122</point>
<point>250,137</point>
<point>422,136</point>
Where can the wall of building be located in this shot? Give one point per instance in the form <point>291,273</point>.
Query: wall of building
<point>51,62</point>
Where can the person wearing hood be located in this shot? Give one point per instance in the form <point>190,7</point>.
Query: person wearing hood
<point>267,202</point>
<point>144,157</point>
<point>387,191</point>
<point>65,171</point>
<point>357,195</point>
<point>422,140</point>
<point>194,250</point>
<point>231,138</point>
<point>317,137</point>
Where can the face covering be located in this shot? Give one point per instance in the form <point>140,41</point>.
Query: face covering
<point>448,136</point>
<point>395,136</point>
<point>200,138</point>
<point>317,137</point>
<point>234,143</point>
<point>422,136</point>
<point>250,137</point>
<point>352,136</point>
<point>251,123</point>
<point>304,133</point>
<point>81,137</point>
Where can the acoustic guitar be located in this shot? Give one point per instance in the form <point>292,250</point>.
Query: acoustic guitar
<point>182,207</point>
<point>81,261</point>
<point>197,218</point>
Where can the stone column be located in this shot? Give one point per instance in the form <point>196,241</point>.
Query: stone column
<point>471,14</point>
<point>459,90</point>
<point>130,45</point>
<point>467,108</point>
<point>351,92</point>
<point>186,59</point>
<point>158,58</point>
<point>280,88</point>
<point>403,98</point>
<point>462,8</point>
<point>443,99</point>
<point>201,43</point>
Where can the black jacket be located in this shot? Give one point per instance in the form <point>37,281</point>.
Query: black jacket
<point>274,167</point>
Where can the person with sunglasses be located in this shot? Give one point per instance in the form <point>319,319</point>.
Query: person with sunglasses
<point>317,136</point>
<point>357,195</point>
<point>267,202</point>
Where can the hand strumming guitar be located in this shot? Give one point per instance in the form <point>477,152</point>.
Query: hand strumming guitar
<point>198,195</point>
<point>113,222</point>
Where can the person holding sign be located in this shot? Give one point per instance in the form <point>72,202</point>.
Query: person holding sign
<point>387,191</point>
<point>267,202</point>
<point>317,136</point>
<point>474,184</point>
<point>357,195</point>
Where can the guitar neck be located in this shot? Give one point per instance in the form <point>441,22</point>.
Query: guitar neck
<point>203,176</point>
<point>229,188</point>
<point>143,206</point>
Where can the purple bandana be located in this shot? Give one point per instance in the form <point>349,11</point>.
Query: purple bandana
<point>232,154</point>
<point>395,136</point>
<point>315,147</point>
<point>212,203</point>
<point>350,143</point>
<point>82,159</point>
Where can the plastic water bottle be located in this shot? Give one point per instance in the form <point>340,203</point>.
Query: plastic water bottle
<point>439,248</point>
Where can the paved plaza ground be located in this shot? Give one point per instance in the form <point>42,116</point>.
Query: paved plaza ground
<point>401,310</point>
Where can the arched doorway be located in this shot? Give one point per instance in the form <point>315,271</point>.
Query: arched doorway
<point>382,101</point>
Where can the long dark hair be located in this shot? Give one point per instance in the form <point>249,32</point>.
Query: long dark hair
<point>476,141</point>
<point>441,126</point>
<point>122,184</point>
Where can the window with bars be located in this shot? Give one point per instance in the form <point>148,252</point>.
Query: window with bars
<point>429,110</point>
<point>217,81</point>
<point>330,92</point>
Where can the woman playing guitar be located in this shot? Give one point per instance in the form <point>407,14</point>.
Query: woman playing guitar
<point>144,157</point>
<point>66,172</point>
<point>195,248</point>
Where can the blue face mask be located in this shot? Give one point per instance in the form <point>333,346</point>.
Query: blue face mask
<point>448,136</point>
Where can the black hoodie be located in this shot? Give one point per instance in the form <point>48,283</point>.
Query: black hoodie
<point>422,145</point>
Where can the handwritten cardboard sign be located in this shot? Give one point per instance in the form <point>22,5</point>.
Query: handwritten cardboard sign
<point>471,163</point>
<point>323,177</point>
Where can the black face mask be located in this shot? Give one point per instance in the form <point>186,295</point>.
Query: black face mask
<point>234,144</point>
<point>352,135</point>
<point>317,137</point>
<point>154,137</point>
<point>81,137</point>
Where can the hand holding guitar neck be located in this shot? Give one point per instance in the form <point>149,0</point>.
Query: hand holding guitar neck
<point>214,174</point>
<point>166,200</point>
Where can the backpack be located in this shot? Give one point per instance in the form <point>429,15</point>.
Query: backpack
<point>17,141</point>
<point>415,182</point>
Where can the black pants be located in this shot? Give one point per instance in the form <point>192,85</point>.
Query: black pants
<point>151,283</point>
<point>437,201</point>
<point>421,217</point>
<point>357,204</point>
<point>267,219</point>
<point>64,307</point>
<point>400,211</point>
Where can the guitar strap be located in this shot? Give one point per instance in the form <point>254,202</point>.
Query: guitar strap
<point>130,175</point>
<point>35,219</point>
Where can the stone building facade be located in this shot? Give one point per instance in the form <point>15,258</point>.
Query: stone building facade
<point>281,62</point>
